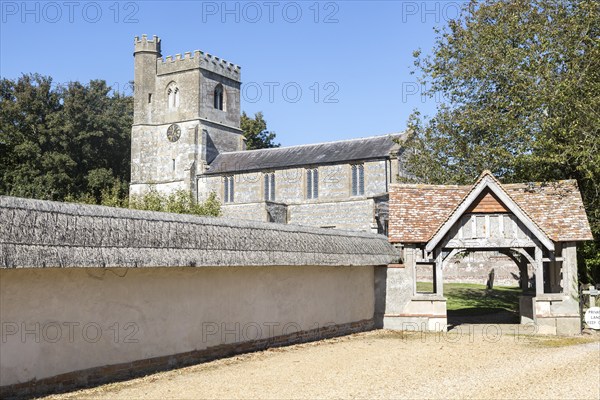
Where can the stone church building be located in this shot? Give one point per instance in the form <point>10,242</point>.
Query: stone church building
<point>186,135</point>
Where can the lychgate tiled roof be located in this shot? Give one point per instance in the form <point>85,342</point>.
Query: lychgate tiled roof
<point>418,211</point>
<point>556,207</point>
<point>304,155</point>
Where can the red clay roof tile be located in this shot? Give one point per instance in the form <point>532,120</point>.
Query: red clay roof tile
<point>418,211</point>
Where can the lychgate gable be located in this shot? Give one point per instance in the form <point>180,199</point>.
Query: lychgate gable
<point>488,184</point>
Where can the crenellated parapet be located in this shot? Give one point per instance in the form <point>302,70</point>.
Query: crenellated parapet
<point>198,59</point>
<point>145,45</point>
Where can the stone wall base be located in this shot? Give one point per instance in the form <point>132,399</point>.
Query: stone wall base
<point>425,313</point>
<point>557,314</point>
<point>562,326</point>
<point>119,372</point>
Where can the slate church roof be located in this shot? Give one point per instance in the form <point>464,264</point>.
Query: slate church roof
<point>417,212</point>
<point>305,155</point>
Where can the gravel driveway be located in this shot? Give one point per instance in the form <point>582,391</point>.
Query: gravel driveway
<point>384,364</point>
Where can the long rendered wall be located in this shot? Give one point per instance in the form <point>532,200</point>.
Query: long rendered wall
<point>64,327</point>
<point>90,294</point>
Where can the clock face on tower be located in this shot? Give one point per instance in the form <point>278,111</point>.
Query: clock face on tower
<point>173,133</point>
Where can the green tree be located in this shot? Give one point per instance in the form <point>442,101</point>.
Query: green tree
<point>33,158</point>
<point>99,126</point>
<point>64,141</point>
<point>520,81</point>
<point>256,133</point>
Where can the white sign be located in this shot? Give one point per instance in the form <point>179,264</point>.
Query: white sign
<point>592,317</point>
<point>593,291</point>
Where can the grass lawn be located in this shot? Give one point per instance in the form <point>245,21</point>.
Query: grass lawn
<point>475,299</point>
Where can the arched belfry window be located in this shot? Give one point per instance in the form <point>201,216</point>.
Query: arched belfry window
<point>219,97</point>
<point>172,96</point>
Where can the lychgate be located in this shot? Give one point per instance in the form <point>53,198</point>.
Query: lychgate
<point>537,225</point>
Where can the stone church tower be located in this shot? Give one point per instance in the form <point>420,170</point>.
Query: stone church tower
<point>186,112</point>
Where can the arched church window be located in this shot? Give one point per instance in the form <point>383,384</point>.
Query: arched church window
<point>358,179</point>
<point>219,97</point>
<point>172,96</point>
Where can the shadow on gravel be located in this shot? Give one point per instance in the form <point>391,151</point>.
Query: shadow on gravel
<point>482,316</point>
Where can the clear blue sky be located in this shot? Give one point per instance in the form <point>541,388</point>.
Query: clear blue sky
<point>350,59</point>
